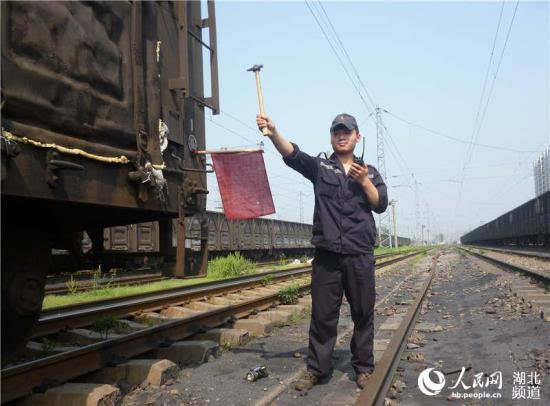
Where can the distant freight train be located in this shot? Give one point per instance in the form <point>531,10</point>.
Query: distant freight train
<point>526,225</point>
<point>129,245</point>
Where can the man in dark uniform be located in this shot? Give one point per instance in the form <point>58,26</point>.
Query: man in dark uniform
<point>346,193</point>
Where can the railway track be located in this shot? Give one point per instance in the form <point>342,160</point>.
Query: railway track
<point>62,288</point>
<point>83,286</point>
<point>219,303</point>
<point>534,254</point>
<point>536,274</point>
<point>534,289</point>
<point>379,383</point>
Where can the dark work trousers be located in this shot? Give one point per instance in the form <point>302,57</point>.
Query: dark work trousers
<point>333,275</point>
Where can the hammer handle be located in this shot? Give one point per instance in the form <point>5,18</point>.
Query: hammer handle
<point>265,131</point>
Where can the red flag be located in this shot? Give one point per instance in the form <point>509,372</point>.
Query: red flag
<point>243,184</point>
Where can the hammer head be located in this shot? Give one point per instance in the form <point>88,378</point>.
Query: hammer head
<point>255,68</point>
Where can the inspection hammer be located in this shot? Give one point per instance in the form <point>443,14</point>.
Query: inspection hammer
<point>256,70</point>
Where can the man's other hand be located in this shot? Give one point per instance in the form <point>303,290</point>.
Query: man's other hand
<point>358,173</point>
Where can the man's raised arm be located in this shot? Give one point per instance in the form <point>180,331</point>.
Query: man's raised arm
<point>282,145</point>
<point>293,157</point>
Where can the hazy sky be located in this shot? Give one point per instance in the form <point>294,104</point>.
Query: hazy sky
<point>424,62</point>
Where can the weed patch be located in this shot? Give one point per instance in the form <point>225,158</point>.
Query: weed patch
<point>230,266</point>
<point>290,294</point>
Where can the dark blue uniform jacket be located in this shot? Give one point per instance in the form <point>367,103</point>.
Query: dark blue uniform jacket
<point>342,218</point>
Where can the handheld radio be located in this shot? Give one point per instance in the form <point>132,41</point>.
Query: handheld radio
<point>360,161</point>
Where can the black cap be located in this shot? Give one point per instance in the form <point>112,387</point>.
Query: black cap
<point>344,119</point>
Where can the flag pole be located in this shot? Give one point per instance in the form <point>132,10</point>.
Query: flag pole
<point>227,151</point>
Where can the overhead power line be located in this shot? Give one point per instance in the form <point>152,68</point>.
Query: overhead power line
<point>477,130</point>
<point>449,137</point>
<point>484,87</point>
<point>342,64</point>
<point>367,92</point>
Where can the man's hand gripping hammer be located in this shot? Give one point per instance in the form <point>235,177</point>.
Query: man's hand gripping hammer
<point>256,70</point>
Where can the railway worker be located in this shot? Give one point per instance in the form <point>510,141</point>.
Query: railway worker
<point>344,232</point>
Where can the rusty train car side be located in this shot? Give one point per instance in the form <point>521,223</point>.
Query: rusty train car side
<point>255,238</point>
<point>102,106</point>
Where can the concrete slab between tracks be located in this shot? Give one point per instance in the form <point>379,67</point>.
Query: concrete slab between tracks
<point>178,312</point>
<point>224,301</point>
<point>255,327</point>
<point>76,394</point>
<point>380,345</point>
<point>276,316</point>
<point>132,324</point>
<point>150,318</point>
<point>136,372</point>
<point>188,352</point>
<point>294,309</point>
<point>202,306</point>
<point>84,336</point>
<point>234,297</point>
<point>266,291</point>
<point>391,323</point>
<point>229,337</point>
<point>35,347</point>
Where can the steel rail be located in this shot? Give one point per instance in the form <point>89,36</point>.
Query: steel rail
<point>505,265</point>
<point>373,393</point>
<point>394,260</point>
<point>83,314</point>
<point>544,255</point>
<point>87,284</point>
<point>22,379</point>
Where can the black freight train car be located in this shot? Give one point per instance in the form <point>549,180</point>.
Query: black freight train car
<point>526,225</point>
<point>133,245</point>
<point>102,107</point>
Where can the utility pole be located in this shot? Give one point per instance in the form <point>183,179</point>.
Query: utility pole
<point>416,208</point>
<point>396,243</point>
<point>384,220</point>
<point>422,241</point>
<point>301,209</point>
<point>429,216</point>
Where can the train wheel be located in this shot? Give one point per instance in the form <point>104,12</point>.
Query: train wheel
<point>25,263</point>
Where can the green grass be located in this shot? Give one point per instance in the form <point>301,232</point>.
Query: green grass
<point>218,268</point>
<point>290,294</point>
<point>267,280</point>
<point>116,291</point>
<point>296,317</point>
<point>104,325</point>
<point>230,266</point>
